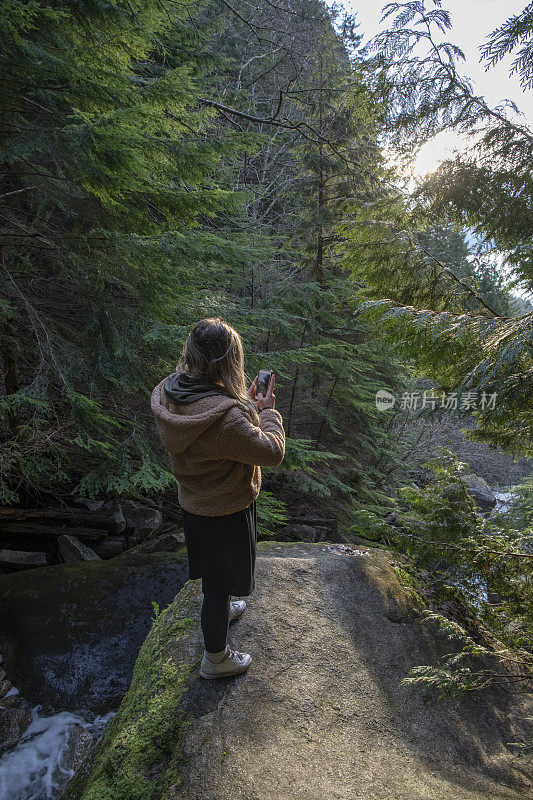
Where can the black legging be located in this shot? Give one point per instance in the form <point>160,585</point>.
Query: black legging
<point>215,621</point>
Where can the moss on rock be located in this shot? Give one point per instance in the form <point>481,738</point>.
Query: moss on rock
<point>139,755</point>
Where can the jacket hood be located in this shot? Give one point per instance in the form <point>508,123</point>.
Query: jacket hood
<point>181,388</point>
<point>179,427</point>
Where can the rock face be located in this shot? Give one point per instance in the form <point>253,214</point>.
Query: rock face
<point>78,743</point>
<point>70,633</point>
<point>72,550</point>
<point>480,491</point>
<point>319,715</point>
<point>13,723</point>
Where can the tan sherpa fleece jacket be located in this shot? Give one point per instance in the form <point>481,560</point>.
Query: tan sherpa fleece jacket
<point>216,450</point>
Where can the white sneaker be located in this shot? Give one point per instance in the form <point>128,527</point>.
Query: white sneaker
<point>233,663</point>
<point>236,608</point>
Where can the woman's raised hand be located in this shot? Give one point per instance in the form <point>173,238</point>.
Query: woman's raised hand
<point>263,401</point>
<point>269,399</point>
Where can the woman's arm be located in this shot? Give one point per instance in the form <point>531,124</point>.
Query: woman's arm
<point>241,440</point>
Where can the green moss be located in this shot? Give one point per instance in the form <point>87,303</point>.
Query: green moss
<point>409,583</point>
<point>139,756</point>
<point>266,544</point>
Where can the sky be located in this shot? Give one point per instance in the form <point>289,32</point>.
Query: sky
<point>472,21</point>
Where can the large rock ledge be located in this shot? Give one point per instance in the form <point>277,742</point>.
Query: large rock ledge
<point>319,715</point>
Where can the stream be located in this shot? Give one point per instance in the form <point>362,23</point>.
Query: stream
<point>504,500</point>
<point>44,760</point>
<point>73,633</point>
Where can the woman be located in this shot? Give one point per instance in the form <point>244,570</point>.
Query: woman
<point>218,435</point>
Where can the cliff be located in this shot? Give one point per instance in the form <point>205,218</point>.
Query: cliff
<point>319,714</point>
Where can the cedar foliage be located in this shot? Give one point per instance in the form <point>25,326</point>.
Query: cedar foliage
<point>448,326</point>
<point>161,163</point>
<point>101,190</point>
<point>470,561</point>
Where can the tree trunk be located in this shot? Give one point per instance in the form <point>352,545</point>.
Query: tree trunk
<point>10,362</point>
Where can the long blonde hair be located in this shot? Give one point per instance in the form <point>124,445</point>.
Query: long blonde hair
<point>214,353</point>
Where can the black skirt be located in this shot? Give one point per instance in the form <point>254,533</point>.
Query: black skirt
<point>222,550</point>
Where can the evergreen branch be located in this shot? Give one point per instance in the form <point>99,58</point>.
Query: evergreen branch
<point>461,283</point>
<point>284,123</point>
<point>17,191</point>
<point>463,549</point>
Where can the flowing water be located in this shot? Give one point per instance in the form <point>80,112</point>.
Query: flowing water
<point>504,499</point>
<point>36,768</point>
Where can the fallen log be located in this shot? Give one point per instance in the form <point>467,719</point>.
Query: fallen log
<point>20,559</point>
<point>168,542</point>
<point>44,528</point>
<point>114,523</point>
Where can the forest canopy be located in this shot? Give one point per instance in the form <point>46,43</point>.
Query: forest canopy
<point>162,162</point>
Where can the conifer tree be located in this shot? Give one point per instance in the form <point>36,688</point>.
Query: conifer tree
<point>299,299</point>
<point>105,172</point>
<point>442,322</point>
<point>168,163</point>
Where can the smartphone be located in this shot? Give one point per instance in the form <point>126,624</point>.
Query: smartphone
<point>263,381</point>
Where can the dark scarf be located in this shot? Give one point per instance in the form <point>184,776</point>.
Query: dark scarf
<point>181,388</point>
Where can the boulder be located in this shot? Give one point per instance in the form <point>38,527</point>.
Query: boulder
<point>109,547</point>
<point>141,520</point>
<point>72,550</point>
<point>78,742</point>
<point>10,699</point>
<point>108,511</point>
<point>21,559</point>
<point>70,633</point>
<point>13,723</point>
<point>320,712</point>
<point>94,505</point>
<point>479,490</point>
<point>301,533</point>
<point>310,529</point>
